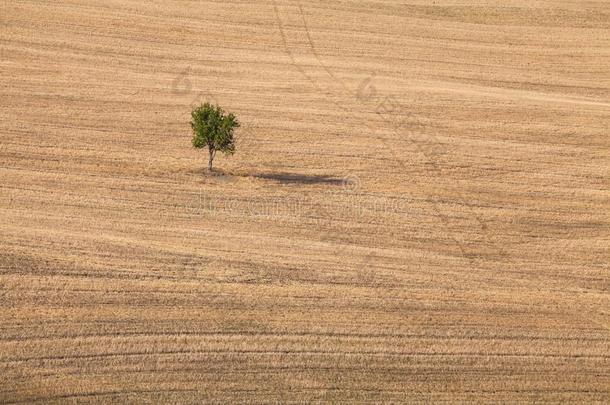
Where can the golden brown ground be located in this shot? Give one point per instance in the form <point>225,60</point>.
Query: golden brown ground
<point>418,209</point>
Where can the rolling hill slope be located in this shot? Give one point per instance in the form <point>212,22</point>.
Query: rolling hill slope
<point>417,210</point>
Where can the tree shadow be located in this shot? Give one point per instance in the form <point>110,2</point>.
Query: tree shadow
<point>294,178</point>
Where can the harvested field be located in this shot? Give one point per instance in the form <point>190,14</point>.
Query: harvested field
<point>418,209</point>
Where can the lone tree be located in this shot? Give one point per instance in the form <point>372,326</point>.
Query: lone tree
<point>214,129</point>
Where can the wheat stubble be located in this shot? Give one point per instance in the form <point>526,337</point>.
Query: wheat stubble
<point>467,258</point>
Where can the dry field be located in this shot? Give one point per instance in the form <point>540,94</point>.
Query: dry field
<point>419,208</point>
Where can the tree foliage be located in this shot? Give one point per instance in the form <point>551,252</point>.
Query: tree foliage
<point>214,128</point>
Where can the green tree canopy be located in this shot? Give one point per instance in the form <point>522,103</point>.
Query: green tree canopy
<point>214,128</point>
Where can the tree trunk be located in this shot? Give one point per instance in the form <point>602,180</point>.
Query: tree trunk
<point>211,159</point>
